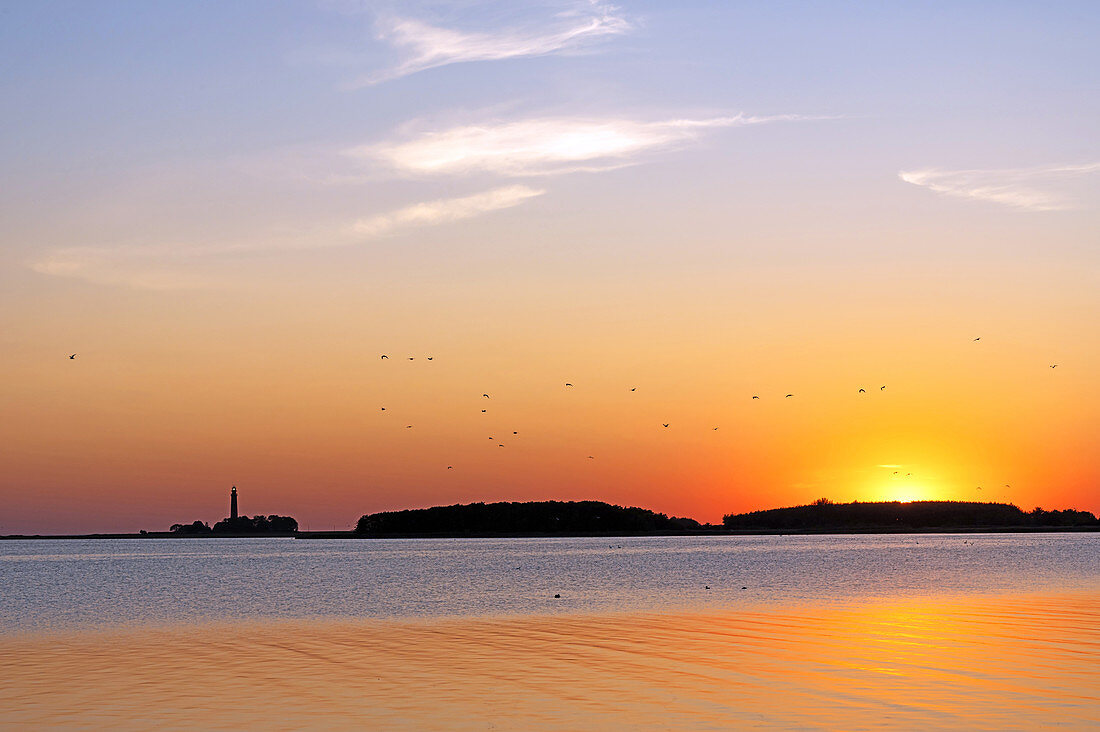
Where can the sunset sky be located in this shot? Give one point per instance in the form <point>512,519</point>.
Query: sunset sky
<point>230,211</point>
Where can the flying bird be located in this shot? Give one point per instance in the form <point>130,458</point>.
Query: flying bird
<point>591,457</point>
<point>408,426</point>
<point>978,338</point>
<point>384,356</point>
<point>788,396</point>
<point>485,395</point>
<point>429,358</point>
<point>411,358</point>
<point>450,467</point>
<point>1053,365</point>
<point>882,388</point>
<point>74,356</point>
<point>484,410</point>
<point>665,424</point>
<point>715,429</point>
<point>862,391</point>
<point>515,433</point>
<point>755,397</point>
<point>634,388</point>
<point>383,409</point>
<point>568,384</point>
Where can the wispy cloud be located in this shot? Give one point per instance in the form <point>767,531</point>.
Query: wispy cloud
<point>1024,188</point>
<point>179,267</point>
<point>543,146</point>
<point>433,213</point>
<point>431,46</point>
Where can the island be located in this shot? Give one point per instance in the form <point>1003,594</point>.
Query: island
<point>531,518</point>
<point>907,516</point>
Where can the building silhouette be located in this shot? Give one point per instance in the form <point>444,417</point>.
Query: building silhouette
<point>233,504</point>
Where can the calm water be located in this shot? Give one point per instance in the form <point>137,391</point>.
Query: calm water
<point>902,632</point>
<point>52,583</point>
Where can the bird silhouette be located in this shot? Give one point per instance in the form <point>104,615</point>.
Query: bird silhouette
<point>634,388</point>
<point>485,395</point>
<point>665,424</point>
<point>450,467</point>
<point>862,391</point>
<point>882,388</point>
<point>756,397</point>
<point>74,356</point>
<point>429,358</point>
<point>484,410</point>
<point>411,358</point>
<point>1053,365</point>
<point>408,426</point>
<point>978,338</point>
<point>383,409</point>
<point>384,356</point>
<point>515,433</point>
<point>591,457</point>
<point>788,396</point>
<point>568,384</point>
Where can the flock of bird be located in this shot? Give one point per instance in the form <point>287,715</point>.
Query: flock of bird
<point>665,425</point>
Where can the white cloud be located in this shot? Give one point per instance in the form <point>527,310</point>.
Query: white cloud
<point>173,267</point>
<point>433,213</point>
<point>543,145</point>
<point>431,46</point>
<point>1031,189</point>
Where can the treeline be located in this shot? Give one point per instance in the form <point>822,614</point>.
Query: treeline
<point>241,525</point>
<point>545,517</point>
<point>824,514</point>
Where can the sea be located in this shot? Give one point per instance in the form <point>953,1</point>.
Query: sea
<point>913,631</point>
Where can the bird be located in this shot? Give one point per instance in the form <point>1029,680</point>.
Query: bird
<point>450,467</point>
<point>1053,365</point>
<point>715,429</point>
<point>979,487</point>
<point>484,410</point>
<point>490,438</point>
<point>755,397</point>
<point>634,388</point>
<point>557,597</point>
<point>895,472</point>
<point>882,388</point>
<point>665,424</point>
<point>706,587</point>
<point>591,457</point>
<point>408,426</point>
<point>485,395</point>
<point>515,433</point>
<point>788,396</point>
<point>411,358</point>
<point>429,358</point>
<point>978,338</point>
<point>72,357</point>
<point>384,356</point>
<point>383,409</point>
<point>862,391</point>
<point>568,384</point>
<point>500,445</point>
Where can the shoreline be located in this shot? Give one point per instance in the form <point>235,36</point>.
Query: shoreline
<point>522,535</point>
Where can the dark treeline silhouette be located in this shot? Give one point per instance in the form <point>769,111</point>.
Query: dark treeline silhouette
<point>545,517</point>
<point>824,514</point>
<point>241,525</point>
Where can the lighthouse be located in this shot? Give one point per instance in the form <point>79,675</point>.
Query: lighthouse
<point>233,504</point>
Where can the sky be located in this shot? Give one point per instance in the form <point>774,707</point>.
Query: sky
<point>230,211</point>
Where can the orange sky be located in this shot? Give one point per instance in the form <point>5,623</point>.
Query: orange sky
<point>704,202</point>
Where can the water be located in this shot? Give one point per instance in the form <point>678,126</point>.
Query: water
<point>54,583</point>
<point>851,632</point>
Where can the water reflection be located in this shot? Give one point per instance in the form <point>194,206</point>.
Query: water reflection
<point>966,663</point>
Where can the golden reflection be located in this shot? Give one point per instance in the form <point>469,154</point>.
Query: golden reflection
<point>972,663</point>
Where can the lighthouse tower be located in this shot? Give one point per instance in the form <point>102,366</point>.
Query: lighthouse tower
<point>233,504</point>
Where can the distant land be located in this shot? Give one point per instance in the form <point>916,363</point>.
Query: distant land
<point>596,518</point>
